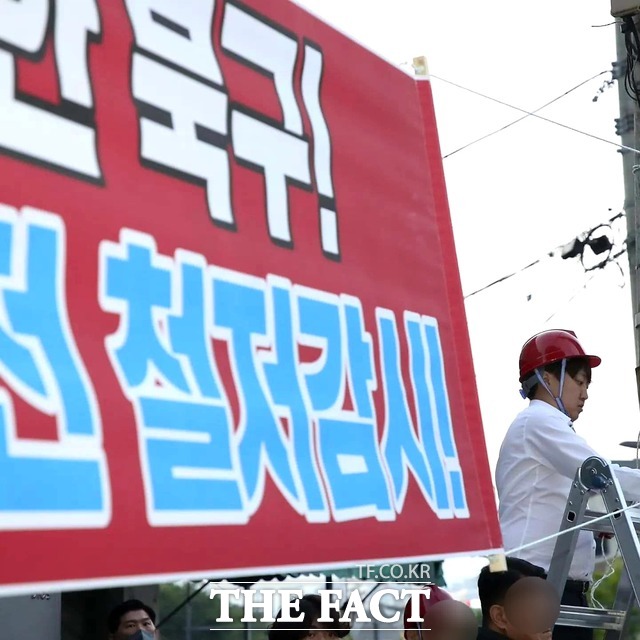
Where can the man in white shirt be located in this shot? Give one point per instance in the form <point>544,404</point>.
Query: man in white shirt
<point>539,458</point>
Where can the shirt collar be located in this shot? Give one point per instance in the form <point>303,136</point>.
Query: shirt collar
<point>544,407</point>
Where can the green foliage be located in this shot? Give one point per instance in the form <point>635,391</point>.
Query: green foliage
<point>606,594</point>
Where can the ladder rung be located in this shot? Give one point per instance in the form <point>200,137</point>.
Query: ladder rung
<point>604,526</point>
<point>591,618</point>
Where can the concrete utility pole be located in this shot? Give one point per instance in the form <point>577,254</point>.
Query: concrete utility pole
<point>628,127</point>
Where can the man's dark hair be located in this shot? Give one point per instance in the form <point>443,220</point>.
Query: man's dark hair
<point>114,617</point>
<point>492,587</point>
<point>574,367</point>
<point>310,607</point>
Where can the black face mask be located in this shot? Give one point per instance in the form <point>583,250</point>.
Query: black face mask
<point>142,635</point>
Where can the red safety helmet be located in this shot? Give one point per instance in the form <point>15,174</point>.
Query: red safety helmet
<point>435,595</point>
<point>551,346</point>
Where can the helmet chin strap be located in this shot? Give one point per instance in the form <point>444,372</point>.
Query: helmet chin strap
<point>558,398</point>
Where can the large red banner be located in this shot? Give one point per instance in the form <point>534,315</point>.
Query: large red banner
<point>232,335</point>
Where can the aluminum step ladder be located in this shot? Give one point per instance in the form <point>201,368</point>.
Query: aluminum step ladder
<point>595,477</point>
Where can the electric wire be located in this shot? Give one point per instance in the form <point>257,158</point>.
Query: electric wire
<point>572,298</point>
<point>551,254</point>
<point>594,271</point>
<point>610,570</point>
<point>608,260</point>
<point>536,115</point>
<point>521,118</point>
<point>183,604</point>
<point>503,278</point>
<point>632,47</point>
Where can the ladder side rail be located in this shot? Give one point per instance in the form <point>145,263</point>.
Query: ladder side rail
<point>624,531</point>
<point>566,544</point>
<point>625,600</point>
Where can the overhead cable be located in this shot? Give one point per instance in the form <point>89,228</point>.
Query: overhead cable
<point>521,118</point>
<point>536,115</point>
<point>575,248</point>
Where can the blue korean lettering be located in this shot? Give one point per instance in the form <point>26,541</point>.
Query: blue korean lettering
<point>16,362</point>
<point>320,320</point>
<point>436,372</point>
<point>400,444</point>
<point>190,465</point>
<point>36,312</point>
<point>360,358</point>
<point>347,440</point>
<point>425,409</point>
<point>142,287</point>
<point>189,331</point>
<point>356,481</point>
<point>65,479</point>
<point>190,474</point>
<point>64,487</point>
<point>286,391</point>
<point>196,469</point>
<point>240,318</point>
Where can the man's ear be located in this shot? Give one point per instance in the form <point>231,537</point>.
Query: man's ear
<point>498,617</point>
<point>553,381</point>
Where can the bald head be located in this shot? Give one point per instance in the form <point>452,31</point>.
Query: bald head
<point>532,605</point>
<point>450,620</point>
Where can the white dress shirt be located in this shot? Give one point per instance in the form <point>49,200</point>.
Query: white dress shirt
<point>538,461</point>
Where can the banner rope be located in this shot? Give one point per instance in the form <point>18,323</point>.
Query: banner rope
<point>570,529</point>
